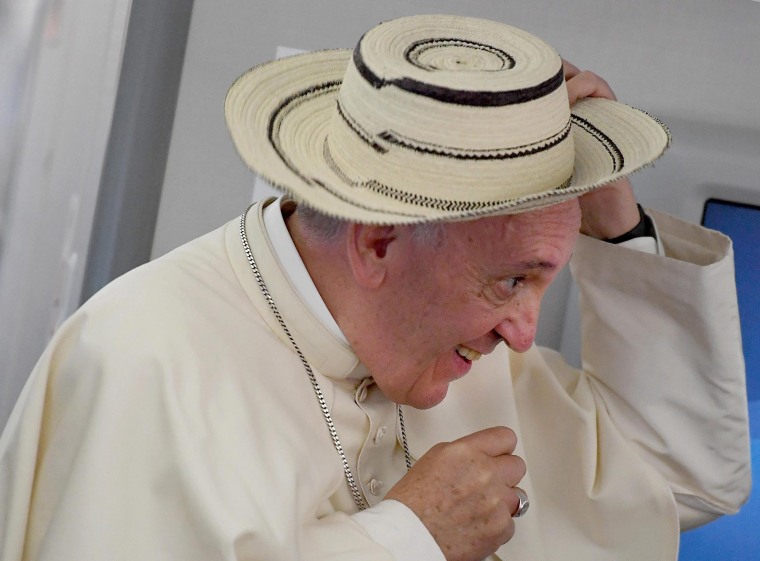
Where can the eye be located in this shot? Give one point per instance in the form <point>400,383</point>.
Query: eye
<point>505,287</point>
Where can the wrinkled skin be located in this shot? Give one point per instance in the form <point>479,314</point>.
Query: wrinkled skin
<point>480,286</point>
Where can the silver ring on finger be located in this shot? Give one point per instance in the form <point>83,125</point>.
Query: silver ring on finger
<point>523,504</point>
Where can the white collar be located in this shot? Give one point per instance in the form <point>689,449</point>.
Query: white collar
<point>292,265</point>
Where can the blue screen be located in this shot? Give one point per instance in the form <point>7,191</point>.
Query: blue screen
<point>737,537</point>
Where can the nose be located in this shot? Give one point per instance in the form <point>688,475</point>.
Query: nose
<point>518,328</point>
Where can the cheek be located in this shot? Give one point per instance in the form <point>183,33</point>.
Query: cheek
<point>422,316</point>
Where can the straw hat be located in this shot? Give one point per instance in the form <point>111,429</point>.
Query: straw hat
<point>432,118</point>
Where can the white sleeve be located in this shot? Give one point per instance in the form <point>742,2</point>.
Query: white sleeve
<point>682,403</point>
<point>394,526</point>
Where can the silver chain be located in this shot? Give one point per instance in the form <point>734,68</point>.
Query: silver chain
<point>355,493</point>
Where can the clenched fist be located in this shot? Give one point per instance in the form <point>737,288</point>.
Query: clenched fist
<point>463,492</point>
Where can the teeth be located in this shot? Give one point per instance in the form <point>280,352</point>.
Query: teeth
<point>467,353</point>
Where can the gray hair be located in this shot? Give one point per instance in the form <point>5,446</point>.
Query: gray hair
<point>327,228</point>
<point>324,227</point>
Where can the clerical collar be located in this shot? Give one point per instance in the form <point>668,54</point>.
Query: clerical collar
<point>293,267</point>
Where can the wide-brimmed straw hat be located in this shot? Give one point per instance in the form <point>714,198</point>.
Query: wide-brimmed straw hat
<point>432,118</point>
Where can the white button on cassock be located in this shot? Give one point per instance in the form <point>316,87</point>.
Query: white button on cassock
<point>361,390</point>
<point>380,434</point>
<point>375,487</point>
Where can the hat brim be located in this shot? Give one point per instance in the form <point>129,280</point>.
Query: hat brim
<point>611,140</point>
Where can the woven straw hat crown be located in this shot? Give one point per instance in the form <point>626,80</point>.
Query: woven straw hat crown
<point>432,118</point>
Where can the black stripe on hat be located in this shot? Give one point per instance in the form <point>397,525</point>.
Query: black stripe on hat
<point>285,107</point>
<point>415,50</point>
<point>360,132</point>
<point>616,155</point>
<point>460,97</point>
<point>417,200</point>
<point>393,137</point>
<point>382,141</point>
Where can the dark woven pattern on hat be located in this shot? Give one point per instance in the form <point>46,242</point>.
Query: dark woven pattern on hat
<point>489,154</point>
<point>398,139</point>
<point>287,105</point>
<point>359,130</point>
<point>616,155</point>
<point>461,97</point>
<point>417,48</point>
<point>446,205</point>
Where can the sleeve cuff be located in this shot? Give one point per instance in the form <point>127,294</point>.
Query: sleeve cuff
<point>647,240</point>
<point>646,244</point>
<point>644,228</point>
<point>394,526</point>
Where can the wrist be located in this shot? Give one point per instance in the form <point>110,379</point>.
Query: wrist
<point>609,211</point>
<point>644,228</point>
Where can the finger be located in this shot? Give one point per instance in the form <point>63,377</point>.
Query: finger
<point>511,469</point>
<point>569,69</point>
<point>494,441</point>
<point>588,84</point>
<point>523,503</point>
<point>508,530</point>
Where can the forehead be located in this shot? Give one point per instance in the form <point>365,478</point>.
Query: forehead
<point>547,233</point>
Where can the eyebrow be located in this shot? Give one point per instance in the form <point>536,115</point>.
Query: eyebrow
<point>531,265</point>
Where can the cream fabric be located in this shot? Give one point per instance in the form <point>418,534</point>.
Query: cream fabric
<point>395,526</point>
<point>170,419</point>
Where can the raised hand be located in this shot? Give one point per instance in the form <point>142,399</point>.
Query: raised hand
<point>609,211</point>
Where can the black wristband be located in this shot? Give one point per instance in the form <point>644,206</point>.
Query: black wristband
<point>645,228</point>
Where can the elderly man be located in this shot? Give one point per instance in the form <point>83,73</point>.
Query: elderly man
<point>325,378</point>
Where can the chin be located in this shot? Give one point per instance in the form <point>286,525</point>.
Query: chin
<point>427,399</point>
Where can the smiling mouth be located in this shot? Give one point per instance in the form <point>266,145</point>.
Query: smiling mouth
<point>468,353</point>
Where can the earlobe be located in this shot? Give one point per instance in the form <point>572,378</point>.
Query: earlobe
<point>367,248</point>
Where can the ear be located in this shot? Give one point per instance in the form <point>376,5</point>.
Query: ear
<point>368,252</point>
